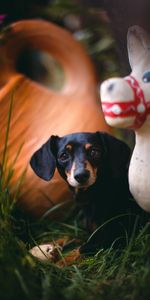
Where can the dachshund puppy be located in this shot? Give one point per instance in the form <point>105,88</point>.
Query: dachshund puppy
<point>95,166</point>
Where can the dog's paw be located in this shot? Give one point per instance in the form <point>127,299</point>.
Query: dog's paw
<point>54,251</point>
<point>72,257</point>
<point>46,252</point>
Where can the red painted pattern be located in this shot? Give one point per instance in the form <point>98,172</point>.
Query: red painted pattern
<point>137,108</point>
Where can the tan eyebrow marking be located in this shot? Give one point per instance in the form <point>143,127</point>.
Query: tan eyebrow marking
<point>87,146</point>
<point>69,147</point>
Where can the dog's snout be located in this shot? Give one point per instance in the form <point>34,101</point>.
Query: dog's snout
<point>82,176</point>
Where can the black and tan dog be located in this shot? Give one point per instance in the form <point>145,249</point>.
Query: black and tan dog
<point>95,166</point>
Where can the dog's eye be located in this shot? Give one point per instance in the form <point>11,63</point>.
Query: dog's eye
<point>94,153</point>
<point>64,156</point>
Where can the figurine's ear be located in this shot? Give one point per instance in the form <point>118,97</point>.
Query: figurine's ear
<point>43,161</point>
<point>138,43</point>
<point>116,154</point>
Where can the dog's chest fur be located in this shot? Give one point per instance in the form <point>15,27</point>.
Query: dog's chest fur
<point>104,199</point>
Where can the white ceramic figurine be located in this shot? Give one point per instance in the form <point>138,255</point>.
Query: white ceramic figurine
<point>126,104</point>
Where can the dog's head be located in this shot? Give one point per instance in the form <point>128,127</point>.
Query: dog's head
<point>79,157</point>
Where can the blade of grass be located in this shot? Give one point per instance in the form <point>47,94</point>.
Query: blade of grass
<point>7,135</point>
<point>128,250</point>
<point>52,209</point>
<point>107,222</point>
<point>11,167</point>
<point>22,283</point>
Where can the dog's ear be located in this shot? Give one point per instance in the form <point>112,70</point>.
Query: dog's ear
<point>116,153</point>
<point>43,161</point>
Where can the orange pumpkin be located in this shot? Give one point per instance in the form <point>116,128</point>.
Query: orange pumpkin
<point>39,112</point>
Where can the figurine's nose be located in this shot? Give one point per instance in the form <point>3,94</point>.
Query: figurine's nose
<point>111,86</point>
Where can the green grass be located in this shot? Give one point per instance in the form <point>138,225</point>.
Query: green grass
<point>108,275</point>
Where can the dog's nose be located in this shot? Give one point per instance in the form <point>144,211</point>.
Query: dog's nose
<point>82,176</point>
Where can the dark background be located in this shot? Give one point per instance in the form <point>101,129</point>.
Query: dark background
<point>99,18</point>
